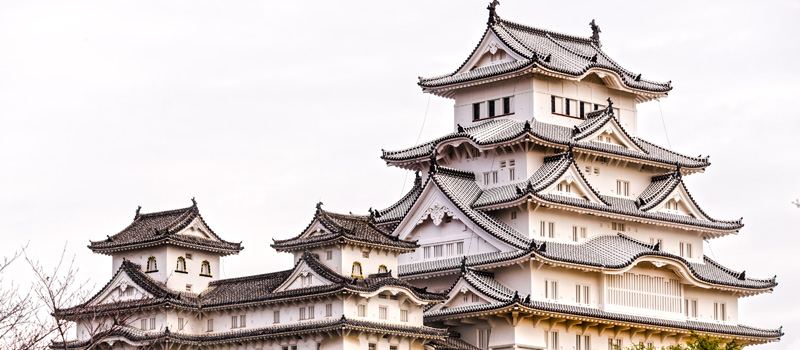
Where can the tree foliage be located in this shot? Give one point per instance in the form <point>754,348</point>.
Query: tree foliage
<point>696,342</point>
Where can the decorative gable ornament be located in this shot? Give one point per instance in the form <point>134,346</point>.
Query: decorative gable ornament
<point>493,48</point>
<point>436,212</point>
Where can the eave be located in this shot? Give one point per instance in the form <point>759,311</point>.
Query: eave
<point>515,312</point>
<point>705,233</point>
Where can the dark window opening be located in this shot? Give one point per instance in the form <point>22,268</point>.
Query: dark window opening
<point>491,109</point>
<point>506,105</point>
<point>476,111</point>
<point>567,107</point>
<point>552,104</point>
<point>583,115</point>
<point>596,107</point>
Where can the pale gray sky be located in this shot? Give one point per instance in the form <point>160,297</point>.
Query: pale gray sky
<point>259,109</point>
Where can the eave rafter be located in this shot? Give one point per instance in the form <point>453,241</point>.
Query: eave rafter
<point>586,324</point>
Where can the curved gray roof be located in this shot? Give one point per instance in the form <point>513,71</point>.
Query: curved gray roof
<point>496,131</point>
<point>562,53</point>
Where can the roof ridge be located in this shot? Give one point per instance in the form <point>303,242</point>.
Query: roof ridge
<point>453,172</point>
<point>545,31</point>
<point>249,278</point>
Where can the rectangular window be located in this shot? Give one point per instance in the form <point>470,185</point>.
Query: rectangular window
<point>242,321</point>
<point>513,215</point>
<point>551,340</point>
<point>144,324</point>
<point>690,308</point>
<point>310,312</point>
<point>551,290</point>
<point>491,108</point>
<point>506,105</point>
<point>383,312</point>
<point>578,233</point>
<point>583,110</point>
<point>371,346</point>
<point>392,347</point>
<point>512,162</point>
<point>597,171</point>
<point>188,287</point>
<point>511,174</point>
<point>557,105</point>
<point>719,311</point>
<point>476,111</point>
<point>437,251</point>
<point>451,249</point>
<point>460,248</point>
<point>486,178</point>
<point>365,254</point>
<point>403,315</point>
<point>329,255</point>
<point>328,310</point>
<point>587,342</point>
<point>582,294</point>
<point>210,325</point>
<point>614,344</point>
<point>362,311</point>
<point>552,104</point>
<point>475,298</point>
<point>547,229</point>
<point>188,256</point>
<point>618,226</point>
<point>503,164</point>
<point>152,323</point>
<point>302,313</point>
<point>483,338</point>
<point>686,250</point>
<point>234,321</point>
<point>566,107</point>
<point>180,323</point>
<point>426,252</point>
<point>494,177</point>
<point>623,188</point>
<point>276,317</point>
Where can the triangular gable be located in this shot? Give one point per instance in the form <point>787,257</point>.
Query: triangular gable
<point>490,51</point>
<point>197,228</point>
<point>475,288</point>
<point>122,287</point>
<point>572,184</point>
<point>683,203</point>
<point>613,133</point>
<point>304,275</point>
<point>435,207</point>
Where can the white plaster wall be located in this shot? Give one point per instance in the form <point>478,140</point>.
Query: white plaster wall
<point>140,256</point>
<point>705,303</point>
<point>453,231</point>
<point>520,88</point>
<point>178,281</point>
<point>591,90</point>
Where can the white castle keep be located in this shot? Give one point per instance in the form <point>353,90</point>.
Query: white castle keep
<point>543,221</point>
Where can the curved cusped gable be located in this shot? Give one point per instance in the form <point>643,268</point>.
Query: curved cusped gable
<point>491,50</point>
<point>446,200</point>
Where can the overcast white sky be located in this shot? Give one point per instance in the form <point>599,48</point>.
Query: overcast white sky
<point>261,108</point>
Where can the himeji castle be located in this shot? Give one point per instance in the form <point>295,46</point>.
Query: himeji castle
<point>543,221</point>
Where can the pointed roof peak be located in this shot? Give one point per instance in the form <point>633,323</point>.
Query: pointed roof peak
<point>493,17</point>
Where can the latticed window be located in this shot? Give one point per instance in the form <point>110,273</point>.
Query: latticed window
<point>382,269</point>
<point>205,268</point>
<point>181,267</point>
<point>356,270</point>
<point>151,264</point>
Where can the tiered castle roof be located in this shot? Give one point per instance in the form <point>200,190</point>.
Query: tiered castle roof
<point>546,52</point>
<point>496,132</point>
<point>503,299</point>
<point>165,227</point>
<point>328,228</point>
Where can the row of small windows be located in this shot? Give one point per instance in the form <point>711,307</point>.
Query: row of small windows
<point>442,250</point>
<point>358,273</point>
<point>493,108</point>
<point>492,177</point>
<point>383,313</point>
<point>205,266</point>
<point>574,108</point>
